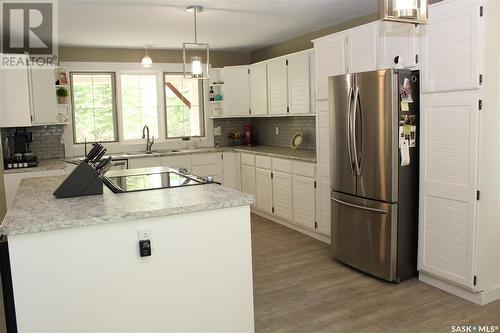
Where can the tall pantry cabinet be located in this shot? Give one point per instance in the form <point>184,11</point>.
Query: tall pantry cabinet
<point>458,220</point>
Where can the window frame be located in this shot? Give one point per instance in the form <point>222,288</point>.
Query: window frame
<point>113,98</point>
<point>201,97</point>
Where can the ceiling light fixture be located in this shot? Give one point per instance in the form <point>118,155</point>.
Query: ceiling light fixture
<point>146,61</point>
<point>408,11</point>
<point>196,51</point>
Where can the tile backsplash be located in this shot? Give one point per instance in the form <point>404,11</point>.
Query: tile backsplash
<point>264,130</point>
<point>47,140</point>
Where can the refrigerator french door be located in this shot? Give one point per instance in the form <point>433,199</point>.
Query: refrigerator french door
<point>369,187</point>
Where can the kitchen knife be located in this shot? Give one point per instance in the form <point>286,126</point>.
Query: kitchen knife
<point>103,163</point>
<point>93,152</point>
<point>104,169</point>
<point>97,159</point>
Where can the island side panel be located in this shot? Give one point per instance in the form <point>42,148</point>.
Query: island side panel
<point>199,277</point>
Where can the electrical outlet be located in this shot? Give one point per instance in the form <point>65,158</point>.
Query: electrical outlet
<point>277,131</point>
<point>144,234</point>
<point>217,131</point>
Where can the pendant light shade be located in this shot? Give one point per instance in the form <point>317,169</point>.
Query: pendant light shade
<point>146,61</point>
<point>194,55</point>
<point>408,11</point>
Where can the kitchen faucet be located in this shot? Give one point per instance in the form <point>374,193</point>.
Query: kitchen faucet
<point>149,142</point>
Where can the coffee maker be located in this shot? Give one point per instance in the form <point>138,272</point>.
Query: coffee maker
<point>17,153</point>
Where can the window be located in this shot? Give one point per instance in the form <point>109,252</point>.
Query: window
<point>93,107</point>
<point>139,105</point>
<point>184,106</point>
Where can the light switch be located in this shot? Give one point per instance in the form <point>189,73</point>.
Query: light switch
<point>277,131</point>
<point>217,131</point>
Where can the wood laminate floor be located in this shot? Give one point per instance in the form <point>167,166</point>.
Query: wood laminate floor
<point>299,288</point>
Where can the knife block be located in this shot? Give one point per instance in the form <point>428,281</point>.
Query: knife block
<point>84,180</point>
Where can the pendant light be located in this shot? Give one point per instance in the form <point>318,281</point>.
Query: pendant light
<point>196,52</point>
<point>408,11</point>
<point>146,61</point>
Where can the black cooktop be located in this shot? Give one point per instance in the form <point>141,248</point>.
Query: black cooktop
<point>152,181</point>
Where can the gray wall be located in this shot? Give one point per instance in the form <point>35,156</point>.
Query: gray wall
<point>264,130</point>
<point>46,140</point>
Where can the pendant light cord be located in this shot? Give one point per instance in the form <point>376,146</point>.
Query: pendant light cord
<point>195,28</point>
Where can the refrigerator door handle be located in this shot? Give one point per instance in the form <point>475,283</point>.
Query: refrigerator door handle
<point>349,130</point>
<point>380,211</point>
<point>353,132</point>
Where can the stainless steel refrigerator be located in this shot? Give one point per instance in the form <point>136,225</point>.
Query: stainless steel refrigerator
<point>374,189</point>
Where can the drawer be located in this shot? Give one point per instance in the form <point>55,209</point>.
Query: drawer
<point>282,165</point>
<point>205,159</point>
<point>248,159</point>
<point>263,162</point>
<point>303,169</point>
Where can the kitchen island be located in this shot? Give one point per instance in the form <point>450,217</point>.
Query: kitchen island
<point>75,262</point>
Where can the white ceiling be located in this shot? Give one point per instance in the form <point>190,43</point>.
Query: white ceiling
<point>237,25</point>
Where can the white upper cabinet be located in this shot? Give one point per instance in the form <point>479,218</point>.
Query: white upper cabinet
<point>362,48</point>
<point>451,47</point>
<point>397,40</point>
<point>258,89</point>
<point>236,91</point>
<point>43,96</point>
<point>299,83</point>
<point>277,80</point>
<point>329,60</point>
<point>15,98</point>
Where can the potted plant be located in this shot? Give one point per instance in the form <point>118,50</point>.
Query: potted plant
<point>62,93</point>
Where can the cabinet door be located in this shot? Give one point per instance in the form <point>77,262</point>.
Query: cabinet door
<point>146,162</point>
<point>177,162</point>
<point>362,48</point>
<point>397,40</point>
<point>14,97</point>
<point>304,203</point>
<point>207,165</point>
<point>452,46</point>
<point>236,91</point>
<point>323,211</point>
<point>282,195</point>
<point>329,60</point>
<point>448,185</point>
<point>278,92</point>
<point>264,190</point>
<point>248,179</point>
<point>299,85</point>
<point>231,170</point>
<point>258,89</point>
<point>43,96</point>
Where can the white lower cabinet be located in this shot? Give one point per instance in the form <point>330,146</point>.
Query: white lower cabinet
<point>209,164</point>
<point>282,195</point>
<point>231,169</point>
<point>248,179</point>
<point>304,202</point>
<point>264,190</point>
<point>147,162</point>
<point>177,162</point>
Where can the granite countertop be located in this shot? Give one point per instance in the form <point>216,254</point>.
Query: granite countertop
<point>43,165</point>
<point>45,212</point>
<point>296,154</point>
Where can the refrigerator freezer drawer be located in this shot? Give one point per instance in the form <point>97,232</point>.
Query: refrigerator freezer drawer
<point>364,234</point>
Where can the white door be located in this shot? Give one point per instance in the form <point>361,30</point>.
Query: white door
<point>397,40</point>
<point>43,95</point>
<point>451,51</point>
<point>278,91</point>
<point>236,91</point>
<point>362,48</point>
<point>15,96</point>
<point>299,83</point>
<point>448,185</point>
<point>248,179</point>
<point>231,170</point>
<point>329,60</point>
<point>258,89</point>
<point>323,167</point>
<point>264,190</point>
<point>304,203</point>
<point>282,195</point>
<point>147,162</point>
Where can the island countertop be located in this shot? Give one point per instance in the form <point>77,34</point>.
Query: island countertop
<point>35,209</point>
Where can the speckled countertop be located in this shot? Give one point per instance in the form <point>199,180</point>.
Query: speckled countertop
<point>295,154</point>
<point>44,212</point>
<point>43,165</point>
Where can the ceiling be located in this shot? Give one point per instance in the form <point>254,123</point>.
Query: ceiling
<point>233,25</point>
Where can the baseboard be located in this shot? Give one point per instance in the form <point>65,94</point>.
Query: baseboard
<point>482,297</point>
<point>315,235</point>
